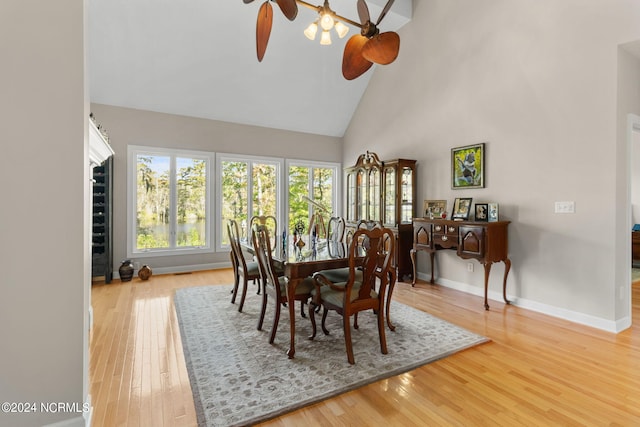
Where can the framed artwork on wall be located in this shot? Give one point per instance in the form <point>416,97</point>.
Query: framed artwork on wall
<point>461,208</point>
<point>435,208</point>
<point>482,212</point>
<point>467,166</point>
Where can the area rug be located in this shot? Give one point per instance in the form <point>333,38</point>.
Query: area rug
<point>238,378</point>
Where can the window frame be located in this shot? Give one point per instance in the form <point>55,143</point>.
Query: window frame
<point>336,197</point>
<point>281,187</point>
<point>132,155</point>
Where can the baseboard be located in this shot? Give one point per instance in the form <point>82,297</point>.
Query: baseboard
<point>560,313</point>
<point>184,268</point>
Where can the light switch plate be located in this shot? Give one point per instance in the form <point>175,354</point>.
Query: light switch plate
<point>568,207</point>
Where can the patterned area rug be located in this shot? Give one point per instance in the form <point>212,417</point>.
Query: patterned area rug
<point>238,378</point>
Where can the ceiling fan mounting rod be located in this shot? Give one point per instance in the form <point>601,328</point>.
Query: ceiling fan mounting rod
<point>327,9</point>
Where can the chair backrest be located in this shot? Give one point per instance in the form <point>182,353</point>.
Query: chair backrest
<point>234,240</point>
<point>377,259</point>
<point>265,221</point>
<point>335,229</point>
<point>262,246</point>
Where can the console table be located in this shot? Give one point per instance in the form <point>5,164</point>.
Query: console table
<point>486,242</point>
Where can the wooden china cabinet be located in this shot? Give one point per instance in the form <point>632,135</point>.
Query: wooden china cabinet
<point>384,192</point>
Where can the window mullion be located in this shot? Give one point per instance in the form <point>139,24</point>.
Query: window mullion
<point>173,202</point>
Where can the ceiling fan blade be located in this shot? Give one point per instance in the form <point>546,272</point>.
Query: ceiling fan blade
<point>385,10</point>
<point>263,28</point>
<point>363,11</point>
<point>289,8</point>
<point>353,63</point>
<point>247,1</point>
<point>383,48</point>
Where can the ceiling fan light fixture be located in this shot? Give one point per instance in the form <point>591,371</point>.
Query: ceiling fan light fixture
<point>325,38</point>
<point>326,21</point>
<point>341,29</point>
<point>311,31</point>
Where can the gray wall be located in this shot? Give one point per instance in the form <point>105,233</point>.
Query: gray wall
<point>538,84</point>
<point>44,176</point>
<point>136,127</point>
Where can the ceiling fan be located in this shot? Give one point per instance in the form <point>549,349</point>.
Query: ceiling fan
<point>361,50</point>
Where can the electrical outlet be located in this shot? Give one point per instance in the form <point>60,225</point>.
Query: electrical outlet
<point>136,265</point>
<point>565,207</point>
<point>469,266</point>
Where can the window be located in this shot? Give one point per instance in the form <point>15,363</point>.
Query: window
<point>173,207</point>
<point>320,183</point>
<point>248,186</point>
<point>169,199</point>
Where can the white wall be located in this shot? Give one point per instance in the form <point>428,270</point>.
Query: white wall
<point>537,81</point>
<point>44,248</point>
<point>136,127</point>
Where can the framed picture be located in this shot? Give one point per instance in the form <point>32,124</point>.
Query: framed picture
<point>493,212</point>
<point>482,212</point>
<point>467,166</point>
<point>435,208</point>
<point>461,208</point>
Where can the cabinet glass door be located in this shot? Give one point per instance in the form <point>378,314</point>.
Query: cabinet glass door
<point>362,195</point>
<point>374,194</point>
<point>351,196</point>
<point>390,197</point>
<point>407,195</point>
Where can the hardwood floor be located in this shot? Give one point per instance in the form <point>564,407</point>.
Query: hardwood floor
<point>537,370</point>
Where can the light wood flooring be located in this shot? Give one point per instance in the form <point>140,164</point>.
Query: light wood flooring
<point>536,371</point>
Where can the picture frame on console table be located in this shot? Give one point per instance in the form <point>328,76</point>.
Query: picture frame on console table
<point>467,166</point>
<point>492,216</point>
<point>482,212</point>
<point>435,208</point>
<point>461,208</point>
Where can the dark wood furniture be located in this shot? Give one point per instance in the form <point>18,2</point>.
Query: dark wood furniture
<point>635,247</point>
<point>274,285</point>
<point>101,244</point>
<point>487,242</point>
<point>242,269</point>
<point>353,296</point>
<point>385,192</point>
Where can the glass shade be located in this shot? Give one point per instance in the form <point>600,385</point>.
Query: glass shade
<point>341,29</point>
<point>311,31</point>
<point>326,22</point>
<point>325,39</point>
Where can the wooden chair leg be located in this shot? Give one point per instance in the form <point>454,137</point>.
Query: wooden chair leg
<point>302,309</point>
<point>312,316</point>
<point>347,339</point>
<point>263,310</point>
<point>274,327</point>
<point>355,321</point>
<point>381,333</point>
<point>245,285</point>
<point>324,318</point>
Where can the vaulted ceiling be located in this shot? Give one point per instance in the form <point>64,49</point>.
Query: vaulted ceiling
<point>198,58</point>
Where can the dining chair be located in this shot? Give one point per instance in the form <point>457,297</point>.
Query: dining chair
<point>273,284</point>
<point>268,221</point>
<point>350,297</point>
<point>335,229</point>
<point>243,270</point>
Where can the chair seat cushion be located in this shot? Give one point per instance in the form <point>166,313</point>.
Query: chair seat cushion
<point>304,288</point>
<point>252,268</point>
<point>336,298</point>
<point>337,275</point>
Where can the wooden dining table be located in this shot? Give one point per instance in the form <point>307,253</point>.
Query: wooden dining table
<point>299,263</point>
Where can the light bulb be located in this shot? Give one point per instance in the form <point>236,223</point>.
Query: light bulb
<point>325,39</point>
<point>326,22</point>
<point>341,29</point>
<point>311,31</point>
